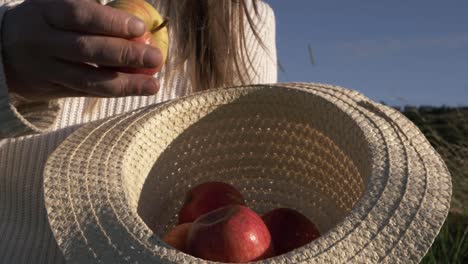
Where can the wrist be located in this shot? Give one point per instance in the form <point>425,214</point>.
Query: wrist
<point>5,40</point>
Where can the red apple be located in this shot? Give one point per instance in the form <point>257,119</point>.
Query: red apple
<point>207,197</point>
<point>289,229</point>
<point>177,237</point>
<point>232,233</point>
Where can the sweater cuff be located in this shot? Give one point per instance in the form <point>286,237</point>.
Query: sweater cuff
<point>18,117</point>
<point>32,118</point>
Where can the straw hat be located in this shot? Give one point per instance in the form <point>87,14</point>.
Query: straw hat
<point>361,171</point>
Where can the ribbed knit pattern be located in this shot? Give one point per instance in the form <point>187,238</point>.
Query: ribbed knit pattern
<point>25,235</point>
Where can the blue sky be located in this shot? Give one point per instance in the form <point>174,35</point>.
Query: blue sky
<point>401,52</point>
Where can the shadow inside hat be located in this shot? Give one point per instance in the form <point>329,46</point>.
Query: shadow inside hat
<point>279,149</point>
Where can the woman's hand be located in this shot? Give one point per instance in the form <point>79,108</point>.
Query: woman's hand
<point>50,48</point>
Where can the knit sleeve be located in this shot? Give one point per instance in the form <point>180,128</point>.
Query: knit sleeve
<point>17,116</point>
<point>264,67</point>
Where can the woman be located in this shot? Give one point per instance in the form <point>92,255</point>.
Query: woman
<point>47,90</point>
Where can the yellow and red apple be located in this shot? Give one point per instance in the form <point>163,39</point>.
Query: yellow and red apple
<point>156,30</point>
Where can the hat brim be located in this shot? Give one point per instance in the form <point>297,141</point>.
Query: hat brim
<point>405,202</point>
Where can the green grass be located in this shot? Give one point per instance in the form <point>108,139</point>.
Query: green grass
<point>447,130</point>
<point>451,245</point>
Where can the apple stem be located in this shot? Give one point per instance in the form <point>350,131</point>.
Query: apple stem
<point>163,24</point>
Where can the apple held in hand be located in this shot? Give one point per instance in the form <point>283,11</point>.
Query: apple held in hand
<point>289,229</point>
<point>177,237</point>
<point>207,197</point>
<point>156,34</point>
<point>232,233</point>
<point>147,39</point>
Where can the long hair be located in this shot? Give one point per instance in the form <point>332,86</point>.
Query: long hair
<point>209,39</point>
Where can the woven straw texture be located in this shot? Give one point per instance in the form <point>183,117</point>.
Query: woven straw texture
<point>361,171</point>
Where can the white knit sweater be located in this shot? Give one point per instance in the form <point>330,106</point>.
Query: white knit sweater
<point>29,133</point>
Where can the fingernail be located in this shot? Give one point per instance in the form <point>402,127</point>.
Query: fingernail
<point>152,57</point>
<point>150,87</point>
<point>136,27</point>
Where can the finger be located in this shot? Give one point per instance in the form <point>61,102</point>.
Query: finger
<point>45,90</point>
<point>93,18</point>
<point>58,91</point>
<point>107,51</point>
<point>101,82</point>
